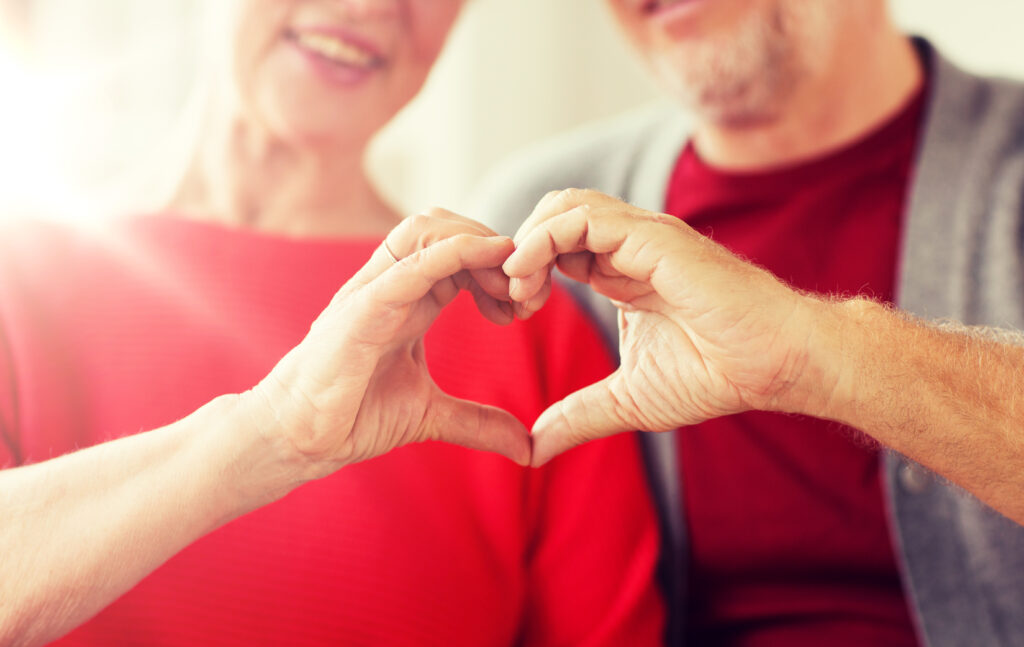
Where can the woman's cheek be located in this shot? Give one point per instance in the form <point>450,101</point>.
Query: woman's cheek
<point>431,21</point>
<point>258,34</point>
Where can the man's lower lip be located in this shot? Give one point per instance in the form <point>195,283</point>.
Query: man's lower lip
<point>336,73</point>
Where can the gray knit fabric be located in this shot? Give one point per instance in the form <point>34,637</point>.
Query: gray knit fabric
<point>963,258</point>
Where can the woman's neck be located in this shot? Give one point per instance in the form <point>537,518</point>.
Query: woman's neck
<point>307,191</point>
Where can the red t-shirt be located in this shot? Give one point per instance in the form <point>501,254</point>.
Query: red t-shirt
<point>110,331</point>
<point>789,541</point>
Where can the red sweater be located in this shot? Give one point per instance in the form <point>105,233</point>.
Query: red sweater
<point>788,532</point>
<point>110,331</point>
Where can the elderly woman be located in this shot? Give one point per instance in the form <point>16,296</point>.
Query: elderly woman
<point>198,532</point>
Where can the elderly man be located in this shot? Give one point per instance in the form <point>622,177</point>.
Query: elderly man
<point>860,168</point>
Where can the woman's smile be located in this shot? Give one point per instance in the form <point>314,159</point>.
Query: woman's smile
<point>336,54</point>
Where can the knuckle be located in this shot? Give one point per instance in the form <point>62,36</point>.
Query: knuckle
<point>418,221</point>
<point>427,232</point>
<point>424,254</point>
<point>435,213</point>
<point>663,219</point>
<point>452,243</point>
<point>573,195</point>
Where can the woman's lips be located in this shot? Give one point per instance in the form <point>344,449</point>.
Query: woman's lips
<point>670,7</point>
<point>340,56</point>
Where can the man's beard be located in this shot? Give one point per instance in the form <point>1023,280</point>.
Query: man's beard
<point>744,76</point>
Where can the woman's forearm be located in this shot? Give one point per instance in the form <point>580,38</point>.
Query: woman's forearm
<point>80,530</point>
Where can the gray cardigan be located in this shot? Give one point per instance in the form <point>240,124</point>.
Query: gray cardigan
<point>962,258</point>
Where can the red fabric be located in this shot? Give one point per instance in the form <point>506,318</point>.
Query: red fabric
<point>789,543</point>
<point>128,328</point>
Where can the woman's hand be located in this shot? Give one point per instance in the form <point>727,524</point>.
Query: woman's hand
<point>357,386</point>
<point>701,333</point>
<point>82,529</point>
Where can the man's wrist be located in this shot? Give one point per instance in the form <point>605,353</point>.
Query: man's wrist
<point>835,335</point>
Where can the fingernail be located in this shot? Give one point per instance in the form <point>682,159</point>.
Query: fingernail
<point>518,309</point>
<point>509,265</point>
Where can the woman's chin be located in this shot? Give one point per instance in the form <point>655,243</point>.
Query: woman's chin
<point>309,122</point>
<point>302,107</point>
<point>334,138</point>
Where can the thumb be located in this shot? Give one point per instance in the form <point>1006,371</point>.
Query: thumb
<point>588,414</point>
<point>476,426</point>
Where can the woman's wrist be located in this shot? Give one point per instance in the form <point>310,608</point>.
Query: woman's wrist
<point>242,442</point>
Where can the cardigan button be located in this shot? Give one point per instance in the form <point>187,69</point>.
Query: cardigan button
<point>914,478</point>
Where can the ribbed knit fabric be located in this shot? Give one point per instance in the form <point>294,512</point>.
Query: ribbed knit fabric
<point>109,331</point>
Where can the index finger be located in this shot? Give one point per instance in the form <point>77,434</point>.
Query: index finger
<point>415,233</point>
<point>414,276</point>
<point>580,229</point>
<point>555,203</point>
<point>635,245</point>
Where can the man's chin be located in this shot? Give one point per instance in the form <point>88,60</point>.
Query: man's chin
<point>744,74</point>
<point>728,96</point>
<point>735,116</point>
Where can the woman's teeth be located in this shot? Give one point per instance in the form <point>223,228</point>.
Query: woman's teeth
<point>336,50</point>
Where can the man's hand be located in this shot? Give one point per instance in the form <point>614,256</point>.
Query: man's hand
<point>358,385</point>
<point>701,333</point>
<point>705,334</point>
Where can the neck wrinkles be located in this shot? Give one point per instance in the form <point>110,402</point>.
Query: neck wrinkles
<point>251,179</point>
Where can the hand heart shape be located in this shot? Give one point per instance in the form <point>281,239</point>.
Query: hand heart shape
<point>358,385</point>
<point>701,334</point>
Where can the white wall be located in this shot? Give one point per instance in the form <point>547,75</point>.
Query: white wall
<point>99,88</point>
<point>983,35</point>
<point>515,71</point>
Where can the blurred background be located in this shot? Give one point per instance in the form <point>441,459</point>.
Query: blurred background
<point>93,90</point>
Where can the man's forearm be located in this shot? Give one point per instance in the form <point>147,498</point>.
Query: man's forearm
<point>947,396</point>
<point>80,530</point>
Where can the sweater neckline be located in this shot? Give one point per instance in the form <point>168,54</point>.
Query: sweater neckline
<point>770,181</point>
<point>213,230</point>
